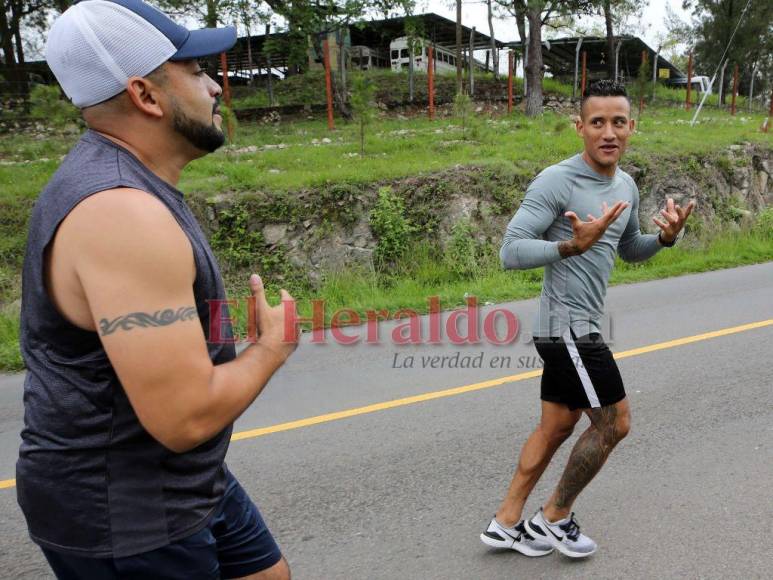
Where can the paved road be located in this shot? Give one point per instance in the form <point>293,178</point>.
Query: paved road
<point>403,493</point>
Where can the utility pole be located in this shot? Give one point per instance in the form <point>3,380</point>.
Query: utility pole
<point>472,62</point>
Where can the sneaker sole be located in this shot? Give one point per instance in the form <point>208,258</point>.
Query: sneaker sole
<point>504,544</point>
<point>560,546</point>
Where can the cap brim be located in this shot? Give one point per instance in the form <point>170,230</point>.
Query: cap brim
<point>206,42</point>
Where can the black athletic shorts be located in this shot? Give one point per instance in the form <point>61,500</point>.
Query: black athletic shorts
<point>579,372</point>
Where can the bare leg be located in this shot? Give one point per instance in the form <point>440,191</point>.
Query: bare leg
<point>556,425</point>
<point>609,425</point>
<point>279,571</point>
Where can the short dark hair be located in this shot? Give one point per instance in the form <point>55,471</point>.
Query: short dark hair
<point>604,88</point>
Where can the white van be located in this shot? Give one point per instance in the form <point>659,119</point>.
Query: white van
<point>445,60</point>
<point>697,83</point>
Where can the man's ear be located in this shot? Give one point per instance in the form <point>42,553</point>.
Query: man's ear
<point>632,125</point>
<point>578,125</point>
<point>145,95</point>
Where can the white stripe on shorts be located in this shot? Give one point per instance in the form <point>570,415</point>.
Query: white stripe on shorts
<point>574,354</point>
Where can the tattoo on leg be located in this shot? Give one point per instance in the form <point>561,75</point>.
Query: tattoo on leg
<point>146,319</point>
<point>589,454</point>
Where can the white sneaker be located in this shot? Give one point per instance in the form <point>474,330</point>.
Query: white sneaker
<point>515,538</point>
<point>564,535</point>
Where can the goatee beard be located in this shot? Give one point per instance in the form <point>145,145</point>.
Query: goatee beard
<point>203,137</point>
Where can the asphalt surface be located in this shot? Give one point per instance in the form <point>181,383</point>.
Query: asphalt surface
<point>403,493</point>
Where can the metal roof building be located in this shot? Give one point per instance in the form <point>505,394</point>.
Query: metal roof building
<point>376,34</point>
<point>561,55</point>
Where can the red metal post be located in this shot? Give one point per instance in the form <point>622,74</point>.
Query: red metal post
<point>584,63</point>
<point>510,82</point>
<point>328,84</point>
<point>431,82</point>
<point>227,95</point>
<point>735,89</point>
<point>687,103</point>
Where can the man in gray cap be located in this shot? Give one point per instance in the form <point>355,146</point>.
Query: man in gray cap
<point>128,407</point>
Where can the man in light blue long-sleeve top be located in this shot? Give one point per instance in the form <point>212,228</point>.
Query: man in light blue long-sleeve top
<point>579,373</point>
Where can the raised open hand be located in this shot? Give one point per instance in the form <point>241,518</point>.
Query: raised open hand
<point>588,233</point>
<point>674,216</point>
<point>276,326</point>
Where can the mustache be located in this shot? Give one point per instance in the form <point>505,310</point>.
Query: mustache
<point>216,106</point>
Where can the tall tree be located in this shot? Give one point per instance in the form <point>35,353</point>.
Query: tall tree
<point>615,13</point>
<point>494,51</point>
<point>14,13</point>
<point>540,13</point>
<point>713,25</point>
<point>606,8</point>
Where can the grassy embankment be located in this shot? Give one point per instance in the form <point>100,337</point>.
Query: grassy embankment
<point>391,87</point>
<point>395,148</point>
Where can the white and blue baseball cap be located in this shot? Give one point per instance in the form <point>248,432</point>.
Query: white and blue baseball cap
<point>96,45</point>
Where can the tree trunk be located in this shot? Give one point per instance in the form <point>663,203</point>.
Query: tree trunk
<point>210,20</point>
<point>21,73</point>
<point>6,38</point>
<point>494,52</point>
<point>459,46</point>
<point>534,70</point>
<point>520,19</point>
<point>269,78</point>
<point>607,5</point>
<point>340,78</point>
<point>250,63</point>
<point>520,22</point>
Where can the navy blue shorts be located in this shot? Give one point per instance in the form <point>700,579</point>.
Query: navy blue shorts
<point>235,543</point>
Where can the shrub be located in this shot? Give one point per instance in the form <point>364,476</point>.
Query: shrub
<point>463,111</point>
<point>235,240</point>
<point>461,253</point>
<point>391,227</point>
<point>229,123</point>
<point>363,105</point>
<point>763,225</point>
<point>47,104</point>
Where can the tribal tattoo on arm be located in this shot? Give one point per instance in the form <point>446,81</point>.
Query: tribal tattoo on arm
<point>147,319</point>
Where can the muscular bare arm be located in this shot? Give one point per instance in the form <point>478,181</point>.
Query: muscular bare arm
<point>135,268</point>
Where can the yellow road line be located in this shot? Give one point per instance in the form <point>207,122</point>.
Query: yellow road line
<point>328,417</point>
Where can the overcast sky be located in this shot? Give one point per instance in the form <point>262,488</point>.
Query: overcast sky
<point>474,14</point>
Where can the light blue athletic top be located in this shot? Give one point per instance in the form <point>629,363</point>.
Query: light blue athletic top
<point>574,288</point>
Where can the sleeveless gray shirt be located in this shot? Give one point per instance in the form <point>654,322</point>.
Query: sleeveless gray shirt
<point>90,479</point>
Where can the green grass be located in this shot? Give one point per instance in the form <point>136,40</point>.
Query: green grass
<point>679,96</point>
<point>395,148</point>
<point>10,357</point>
<point>428,274</point>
